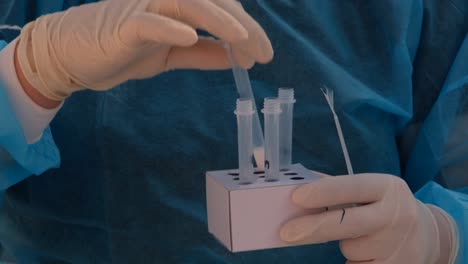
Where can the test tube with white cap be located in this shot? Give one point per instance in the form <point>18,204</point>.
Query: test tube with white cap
<point>286,99</point>
<point>271,111</point>
<point>244,112</point>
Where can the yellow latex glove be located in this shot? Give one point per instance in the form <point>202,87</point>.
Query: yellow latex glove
<point>100,45</point>
<point>391,226</point>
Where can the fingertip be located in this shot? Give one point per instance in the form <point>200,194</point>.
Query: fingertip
<point>267,54</point>
<point>191,37</point>
<point>284,234</point>
<point>187,36</point>
<point>247,65</point>
<point>261,52</point>
<point>288,233</point>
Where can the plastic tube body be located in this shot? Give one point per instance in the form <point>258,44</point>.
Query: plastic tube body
<point>244,112</point>
<point>271,111</point>
<point>244,89</point>
<point>286,99</point>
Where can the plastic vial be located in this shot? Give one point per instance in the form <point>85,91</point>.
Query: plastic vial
<point>244,112</point>
<point>271,111</point>
<point>286,99</point>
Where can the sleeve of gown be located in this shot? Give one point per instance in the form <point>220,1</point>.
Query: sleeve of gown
<point>440,152</point>
<point>26,143</point>
<point>436,160</point>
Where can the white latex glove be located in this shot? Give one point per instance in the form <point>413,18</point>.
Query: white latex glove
<point>390,227</point>
<point>100,45</point>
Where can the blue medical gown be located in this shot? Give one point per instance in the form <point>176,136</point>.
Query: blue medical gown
<point>130,186</point>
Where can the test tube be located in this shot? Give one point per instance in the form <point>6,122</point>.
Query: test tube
<point>286,99</point>
<point>271,111</point>
<point>244,89</point>
<point>244,112</point>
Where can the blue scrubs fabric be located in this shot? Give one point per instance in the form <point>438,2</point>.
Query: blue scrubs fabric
<point>130,188</point>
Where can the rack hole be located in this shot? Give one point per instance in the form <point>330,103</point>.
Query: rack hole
<point>297,178</point>
<point>259,172</point>
<point>271,180</point>
<point>284,170</point>
<point>261,176</point>
<point>290,173</point>
<point>236,178</point>
<point>233,173</point>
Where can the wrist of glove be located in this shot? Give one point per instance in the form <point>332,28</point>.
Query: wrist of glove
<point>99,45</point>
<point>390,225</point>
<point>42,70</point>
<point>448,235</point>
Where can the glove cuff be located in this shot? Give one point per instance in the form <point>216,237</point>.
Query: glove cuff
<point>38,62</point>
<point>448,235</point>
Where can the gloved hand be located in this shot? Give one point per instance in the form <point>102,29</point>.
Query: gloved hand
<point>100,45</point>
<point>390,226</point>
